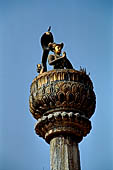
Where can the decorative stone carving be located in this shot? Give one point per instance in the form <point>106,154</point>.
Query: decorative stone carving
<point>66,95</point>
<point>66,123</point>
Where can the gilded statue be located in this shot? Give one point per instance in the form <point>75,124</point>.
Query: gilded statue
<point>57,60</point>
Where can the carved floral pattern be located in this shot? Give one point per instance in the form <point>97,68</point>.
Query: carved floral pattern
<point>63,95</point>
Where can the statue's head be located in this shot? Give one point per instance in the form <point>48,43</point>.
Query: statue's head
<point>56,48</point>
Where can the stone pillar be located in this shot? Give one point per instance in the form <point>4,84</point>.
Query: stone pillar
<point>62,101</point>
<point>64,154</point>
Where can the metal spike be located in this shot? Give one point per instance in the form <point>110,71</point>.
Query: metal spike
<point>49,28</point>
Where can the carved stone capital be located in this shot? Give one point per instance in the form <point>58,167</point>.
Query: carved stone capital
<point>63,123</point>
<point>62,101</point>
<point>62,90</point>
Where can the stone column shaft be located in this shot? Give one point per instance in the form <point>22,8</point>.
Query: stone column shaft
<point>64,154</point>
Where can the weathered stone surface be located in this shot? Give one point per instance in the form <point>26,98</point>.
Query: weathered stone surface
<point>64,154</point>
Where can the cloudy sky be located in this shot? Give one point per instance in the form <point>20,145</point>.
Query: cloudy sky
<point>85,28</point>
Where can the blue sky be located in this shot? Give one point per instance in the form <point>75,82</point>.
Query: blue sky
<point>85,28</point>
